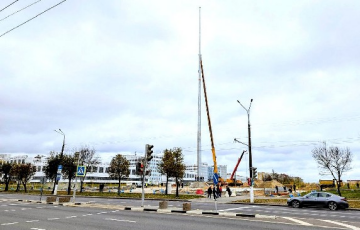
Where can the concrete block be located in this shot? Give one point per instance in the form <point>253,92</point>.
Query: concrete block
<point>64,199</point>
<point>163,205</point>
<point>51,199</point>
<point>186,206</point>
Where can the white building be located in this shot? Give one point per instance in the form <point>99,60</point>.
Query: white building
<point>99,173</point>
<point>222,172</point>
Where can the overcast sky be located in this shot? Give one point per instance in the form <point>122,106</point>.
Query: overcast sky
<point>117,75</point>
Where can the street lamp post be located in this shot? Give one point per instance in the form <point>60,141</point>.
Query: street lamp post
<point>61,156</point>
<point>250,156</point>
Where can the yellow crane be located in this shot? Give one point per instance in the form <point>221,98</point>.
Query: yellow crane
<point>216,175</point>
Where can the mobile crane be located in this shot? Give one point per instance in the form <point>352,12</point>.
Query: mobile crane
<point>231,181</point>
<point>216,175</point>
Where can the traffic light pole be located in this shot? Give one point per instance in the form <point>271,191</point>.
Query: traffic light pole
<point>147,158</point>
<point>250,156</point>
<point>143,179</point>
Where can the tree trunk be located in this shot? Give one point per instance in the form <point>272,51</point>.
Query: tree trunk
<point>81,184</point>
<point>119,185</point>
<point>69,186</point>
<point>177,187</point>
<point>338,186</point>
<point>53,190</point>
<point>24,184</point>
<point>167,181</point>
<point>18,186</point>
<point>7,181</point>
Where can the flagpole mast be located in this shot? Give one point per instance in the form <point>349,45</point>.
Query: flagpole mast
<point>199,105</point>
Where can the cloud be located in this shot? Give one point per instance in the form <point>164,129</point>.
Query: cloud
<point>120,74</point>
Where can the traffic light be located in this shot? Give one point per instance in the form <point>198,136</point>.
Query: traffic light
<point>249,181</point>
<point>139,168</point>
<point>254,172</point>
<point>149,152</point>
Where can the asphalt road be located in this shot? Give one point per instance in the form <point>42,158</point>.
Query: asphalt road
<point>22,215</point>
<point>12,211</point>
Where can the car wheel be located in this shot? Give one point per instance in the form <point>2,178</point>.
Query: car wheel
<point>333,206</point>
<point>295,204</point>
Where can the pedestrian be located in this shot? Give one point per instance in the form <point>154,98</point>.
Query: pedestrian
<point>214,192</point>
<point>220,191</point>
<point>209,191</point>
<point>294,187</point>
<point>228,191</point>
<point>357,184</point>
<point>290,190</point>
<point>276,189</point>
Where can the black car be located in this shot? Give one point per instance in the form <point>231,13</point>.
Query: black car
<point>319,199</point>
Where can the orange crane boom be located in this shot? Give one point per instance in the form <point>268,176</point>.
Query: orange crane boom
<point>237,164</point>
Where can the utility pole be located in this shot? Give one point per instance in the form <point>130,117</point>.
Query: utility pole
<point>250,156</point>
<point>61,156</point>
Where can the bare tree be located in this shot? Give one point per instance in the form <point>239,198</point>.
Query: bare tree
<point>165,166</point>
<point>69,169</point>
<point>119,169</point>
<point>6,170</point>
<point>52,167</point>
<point>22,173</point>
<point>88,159</point>
<point>333,161</point>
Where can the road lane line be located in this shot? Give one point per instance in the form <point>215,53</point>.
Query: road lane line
<point>342,224</point>
<point>53,218</point>
<point>297,221</point>
<point>30,221</point>
<point>130,221</point>
<point>10,223</point>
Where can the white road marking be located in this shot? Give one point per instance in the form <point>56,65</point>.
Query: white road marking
<point>130,221</point>
<point>10,223</point>
<point>229,209</point>
<point>68,217</point>
<point>342,224</point>
<point>297,221</point>
<point>53,218</point>
<point>30,221</point>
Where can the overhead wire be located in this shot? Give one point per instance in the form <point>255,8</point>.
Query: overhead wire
<point>19,10</point>
<point>32,18</point>
<point>8,5</point>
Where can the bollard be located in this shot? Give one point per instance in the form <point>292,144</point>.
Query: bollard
<point>163,205</point>
<point>186,206</point>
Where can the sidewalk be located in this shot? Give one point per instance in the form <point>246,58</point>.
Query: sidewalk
<point>222,200</point>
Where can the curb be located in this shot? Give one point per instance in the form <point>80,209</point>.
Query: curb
<point>158,210</point>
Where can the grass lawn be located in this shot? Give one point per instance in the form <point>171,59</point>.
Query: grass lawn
<point>115,195</point>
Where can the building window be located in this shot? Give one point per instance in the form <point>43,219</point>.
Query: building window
<point>101,169</point>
